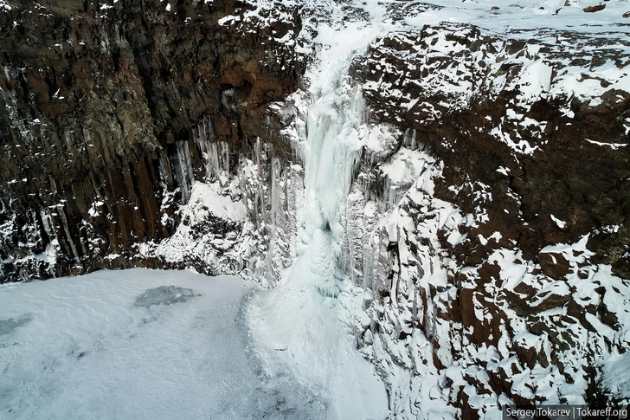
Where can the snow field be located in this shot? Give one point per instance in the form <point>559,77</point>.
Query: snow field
<point>137,344</point>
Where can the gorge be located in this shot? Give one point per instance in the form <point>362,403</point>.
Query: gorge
<point>433,196</point>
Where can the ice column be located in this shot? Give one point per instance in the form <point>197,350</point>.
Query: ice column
<point>216,154</point>
<point>332,152</point>
<point>183,169</point>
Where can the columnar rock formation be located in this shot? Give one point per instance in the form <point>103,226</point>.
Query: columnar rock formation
<point>487,213</point>
<point>100,112</point>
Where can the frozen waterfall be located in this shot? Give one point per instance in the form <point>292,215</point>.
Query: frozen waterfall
<point>304,323</point>
<point>331,153</point>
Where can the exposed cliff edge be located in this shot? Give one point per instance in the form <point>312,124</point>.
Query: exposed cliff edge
<point>102,117</point>
<point>480,203</point>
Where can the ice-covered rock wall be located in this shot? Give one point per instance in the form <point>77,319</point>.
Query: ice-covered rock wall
<point>241,216</point>
<point>467,187</point>
<point>101,143</point>
<point>504,265</point>
<point>484,216</point>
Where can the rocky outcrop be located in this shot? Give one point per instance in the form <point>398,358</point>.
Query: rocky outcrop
<point>101,113</point>
<point>531,157</point>
<point>545,167</point>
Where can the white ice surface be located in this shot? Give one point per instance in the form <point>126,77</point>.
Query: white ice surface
<point>507,15</point>
<point>137,344</point>
<point>303,324</point>
<point>404,167</point>
<point>205,204</point>
<point>617,374</point>
<point>219,205</point>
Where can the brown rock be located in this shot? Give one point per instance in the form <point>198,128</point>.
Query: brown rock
<point>550,301</point>
<point>527,355</point>
<point>467,307</point>
<point>593,9</point>
<point>554,265</point>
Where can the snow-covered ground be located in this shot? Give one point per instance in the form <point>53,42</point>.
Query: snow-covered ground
<point>506,15</point>
<point>140,344</point>
<point>304,324</point>
<point>150,344</point>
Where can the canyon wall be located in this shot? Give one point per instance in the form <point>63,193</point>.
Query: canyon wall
<point>503,267</point>
<point>101,114</point>
<point>486,217</point>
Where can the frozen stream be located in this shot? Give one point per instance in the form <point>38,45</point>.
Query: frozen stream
<point>140,344</point>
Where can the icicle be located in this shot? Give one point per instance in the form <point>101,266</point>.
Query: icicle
<point>184,169</point>
<point>47,224</point>
<point>261,179</point>
<point>409,139</point>
<point>166,174</point>
<point>295,203</point>
<point>242,179</point>
<point>66,228</point>
<point>216,154</point>
<point>272,227</point>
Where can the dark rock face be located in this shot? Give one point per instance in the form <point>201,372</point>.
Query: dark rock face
<point>575,170</point>
<point>98,116</point>
<point>534,170</point>
<point>593,9</point>
<point>567,162</point>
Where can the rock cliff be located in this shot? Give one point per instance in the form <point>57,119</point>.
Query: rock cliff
<point>511,259</point>
<point>101,113</point>
<point>486,214</point>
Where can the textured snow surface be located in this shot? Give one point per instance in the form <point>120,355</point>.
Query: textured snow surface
<point>139,344</point>
<point>304,323</point>
<point>506,15</point>
<point>205,206</point>
<point>219,205</point>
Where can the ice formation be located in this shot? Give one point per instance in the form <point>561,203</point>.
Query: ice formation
<point>354,245</point>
